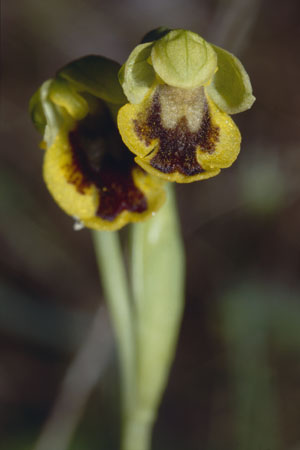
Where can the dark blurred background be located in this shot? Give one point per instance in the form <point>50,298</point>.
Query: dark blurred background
<point>235,383</point>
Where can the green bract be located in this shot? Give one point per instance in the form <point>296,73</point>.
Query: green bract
<point>183,59</point>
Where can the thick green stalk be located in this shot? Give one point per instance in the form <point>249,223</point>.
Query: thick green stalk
<point>157,270</point>
<point>113,276</point>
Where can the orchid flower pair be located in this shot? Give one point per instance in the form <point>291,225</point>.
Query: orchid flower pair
<point>115,135</point>
<point>115,138</point>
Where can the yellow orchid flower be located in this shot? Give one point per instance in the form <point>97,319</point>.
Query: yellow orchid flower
<point>87,168</point>
<point>181,90</point>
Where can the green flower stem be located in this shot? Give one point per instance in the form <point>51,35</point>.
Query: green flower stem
<point>147,325</point>
<point>137,432</point>
<point>157,270</point>
<point>114,281</point>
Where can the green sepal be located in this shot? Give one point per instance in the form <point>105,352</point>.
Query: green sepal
<point>155,34</point>
<point>230,87</point>
<point>183,59</point>
<point>137,75</point>
<point>36,112</point>
<point>97,76</point>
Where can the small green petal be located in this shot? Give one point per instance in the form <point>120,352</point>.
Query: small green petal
<point>96,75</point>
<point>230,88</point>
<point>56,117</point>
<point>63,94</point>
<point>36,112</point>
<point>137,75</point>
<point>183,59</point>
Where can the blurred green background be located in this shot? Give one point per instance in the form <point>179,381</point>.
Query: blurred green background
<point>235,383</point>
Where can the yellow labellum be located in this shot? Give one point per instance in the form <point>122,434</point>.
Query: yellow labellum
<point>62,180</point>
<point>183,142</point>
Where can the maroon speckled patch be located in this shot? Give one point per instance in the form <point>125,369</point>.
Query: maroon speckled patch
<point>177,146</point>
<point>99,157</point>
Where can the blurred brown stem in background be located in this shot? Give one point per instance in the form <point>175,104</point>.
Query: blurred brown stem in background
<point>81,378</point>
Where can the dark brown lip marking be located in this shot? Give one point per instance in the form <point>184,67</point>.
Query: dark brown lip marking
<point>177,146</point>
<point>99,157</point>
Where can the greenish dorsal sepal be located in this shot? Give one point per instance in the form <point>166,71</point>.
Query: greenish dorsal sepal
<point>155,34</point>
<point>36,112</point>
<point>137,75</point>
<point>96,75</point>
<point>230,87</point>
<point>183,59</point>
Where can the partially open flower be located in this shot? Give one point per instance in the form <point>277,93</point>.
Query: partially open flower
<point>87,168</point>
<point>180,90</point>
